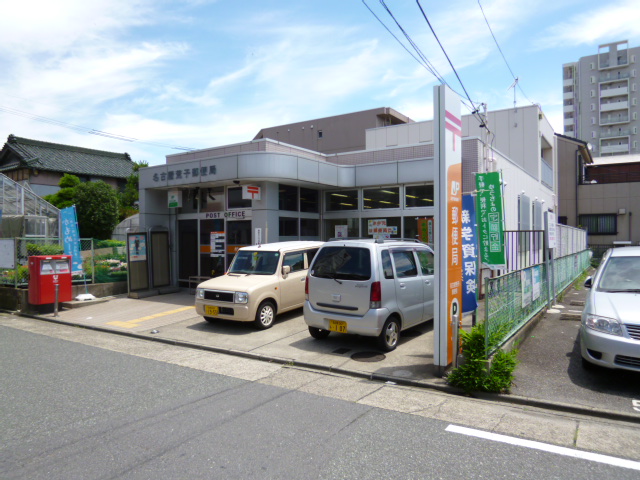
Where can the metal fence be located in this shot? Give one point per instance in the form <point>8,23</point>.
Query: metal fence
<point>511,300</point>
<point>99,265</point>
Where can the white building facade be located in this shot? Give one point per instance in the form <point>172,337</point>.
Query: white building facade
<point>309,195</point>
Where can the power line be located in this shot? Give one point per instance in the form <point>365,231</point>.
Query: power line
<point>81,129</point>
<point>517,83</point>
<point>445,54</point>
<point>421,58</point>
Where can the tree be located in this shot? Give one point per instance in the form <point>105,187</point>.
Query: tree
<point>130,195</point>
<point>97,207</point>
<point>63,198</point>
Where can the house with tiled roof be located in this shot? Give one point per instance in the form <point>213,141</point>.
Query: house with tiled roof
<point>41,165</point>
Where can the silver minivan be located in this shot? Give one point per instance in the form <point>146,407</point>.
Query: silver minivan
<point>370,287</point>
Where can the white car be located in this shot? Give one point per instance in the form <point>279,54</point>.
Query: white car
<point>262,281</point>
<point>610,329</point>
<point>370,287</point>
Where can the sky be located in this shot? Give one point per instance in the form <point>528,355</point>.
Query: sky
<point>158,77</point>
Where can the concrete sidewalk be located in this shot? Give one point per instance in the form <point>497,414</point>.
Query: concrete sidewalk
<point>549,375</point>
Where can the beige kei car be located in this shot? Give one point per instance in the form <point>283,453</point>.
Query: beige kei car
<point>262,281</point>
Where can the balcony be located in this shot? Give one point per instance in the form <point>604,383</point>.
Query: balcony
<point>567,96</point>
<point>569,121</point>
<point>614,119</point>
<point>613,76</point>
<point>621,62</point>
<point>619,133</point>
<point>568,108</point>
<point>614,92</point>
<point>609,107</point>
<point>606,149</point>
<point>567,82</point>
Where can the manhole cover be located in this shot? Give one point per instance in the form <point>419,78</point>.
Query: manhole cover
<point>368,357</point>
<point>341,351</point>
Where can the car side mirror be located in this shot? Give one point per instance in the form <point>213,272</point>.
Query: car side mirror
<point>286,270</point>
<point>588,282</point>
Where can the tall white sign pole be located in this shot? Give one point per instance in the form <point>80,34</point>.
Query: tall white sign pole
<point>447,135</point>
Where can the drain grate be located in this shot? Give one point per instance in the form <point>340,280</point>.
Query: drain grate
<point>368,357</point>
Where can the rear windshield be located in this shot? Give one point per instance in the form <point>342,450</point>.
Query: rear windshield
<point>253,262</point>
<point>343,263</point>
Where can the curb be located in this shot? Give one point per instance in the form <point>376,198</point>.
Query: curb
<point>492,397</point>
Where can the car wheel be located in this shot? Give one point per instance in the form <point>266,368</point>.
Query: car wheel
<point>265,315</point>
<point>318,333</point>
<point>388,339</point>
<point>210,319</point>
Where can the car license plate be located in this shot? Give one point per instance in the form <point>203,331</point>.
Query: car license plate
<point>209,310</point>
<point>338,326</point>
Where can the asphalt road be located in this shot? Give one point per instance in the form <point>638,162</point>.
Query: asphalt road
<point>73,411</point>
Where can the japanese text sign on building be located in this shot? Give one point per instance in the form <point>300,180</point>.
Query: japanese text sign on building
<point>469,255</point>
<point>71,237</point>
<point>490,215</point>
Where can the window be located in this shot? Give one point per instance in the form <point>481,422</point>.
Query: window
<point>427,264</point>
<point>377,198</point>
<point>319,133</point>
<point>592,65</point>
<point>288,198</point>
<point>602,224</point>
<point>593,79</point>
<point>309,200</point>
<point>295,260</point>
<point>309,227</point>
<point>418,196</point>
<point>235,200</point>
<point>405,263</point>
<point>593,107</point>
<point>386,264</point>
<point>343,263</point>
<point>593,93</point>
<point>593,134</point>
<point>288,227</point>
<point>593,120</point>
<point>342,200</point>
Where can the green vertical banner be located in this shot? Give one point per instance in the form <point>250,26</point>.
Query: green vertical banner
<point>490,218</point>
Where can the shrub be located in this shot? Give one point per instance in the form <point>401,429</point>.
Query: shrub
<point>44,249</point>
<point>109,243</point>
<point>475,374</point>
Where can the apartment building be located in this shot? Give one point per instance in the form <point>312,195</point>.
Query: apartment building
<point>600,95</point>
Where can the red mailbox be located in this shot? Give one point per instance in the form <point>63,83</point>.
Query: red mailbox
<point>45,272</point>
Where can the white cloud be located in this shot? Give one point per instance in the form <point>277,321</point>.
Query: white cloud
<point>612,21</point>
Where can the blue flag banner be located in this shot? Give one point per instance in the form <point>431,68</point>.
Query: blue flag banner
<point>469,255</point>
<point>71,238</point>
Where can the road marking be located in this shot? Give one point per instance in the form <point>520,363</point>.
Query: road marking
<point>545,447</point>
<point>137,321</point>
<point>636,405</point>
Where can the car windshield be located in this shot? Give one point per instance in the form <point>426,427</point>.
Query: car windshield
<point>343,263</point>
<point>621,274</point>
<point>255,262</point>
